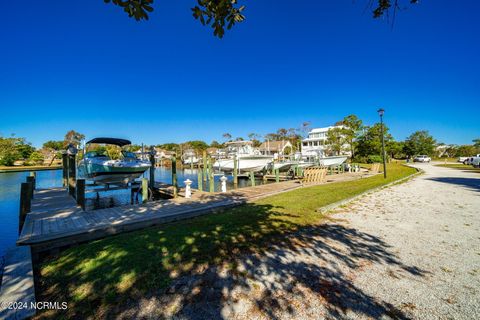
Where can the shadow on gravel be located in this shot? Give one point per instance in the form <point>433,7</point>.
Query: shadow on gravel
<point>273,284</point>
<point>468,183</point>
<point>267,264</point>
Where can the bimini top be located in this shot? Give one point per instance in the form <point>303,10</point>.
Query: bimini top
<point>114,141</point>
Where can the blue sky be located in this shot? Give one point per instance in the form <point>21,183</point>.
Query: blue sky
<point>85,65</point>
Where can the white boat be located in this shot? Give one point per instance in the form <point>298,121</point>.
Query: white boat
<point>96,165</point>
<point>282,166</point>
<point>323,161</point>
<point>248,159</point>
<point>189,157</point>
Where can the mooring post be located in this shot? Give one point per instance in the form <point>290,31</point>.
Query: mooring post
<point>132,195</point>
<point>200,179</point>
<point>80,188</point>
<point>277,175</point>
<point>31,181</point>
<point>152,168</point>
<point>174,175</point>
<point>34,175</point>
<point>25,204</point>
<point>205,167</point>
<point>224,179</point>
<point>252,178</point>
<point>235,171</point>
<point>144,190</point>
<point>211,177</point>
<point>188,189</point>
<point>191,162</point>
<point>65,168</point>
<point>71,174</point>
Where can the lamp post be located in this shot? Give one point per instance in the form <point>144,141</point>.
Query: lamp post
<point>380,113</point>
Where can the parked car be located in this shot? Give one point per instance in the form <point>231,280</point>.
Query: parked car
<point>476,162</point>
<point>422,158</point>
<point>462,159</point>
<point>469,160</point>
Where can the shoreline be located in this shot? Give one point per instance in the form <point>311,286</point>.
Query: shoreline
<point>28,168</point>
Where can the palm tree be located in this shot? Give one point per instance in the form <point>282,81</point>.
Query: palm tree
<point>227,136</point>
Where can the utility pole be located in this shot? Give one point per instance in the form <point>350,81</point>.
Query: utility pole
<point>380,113</point>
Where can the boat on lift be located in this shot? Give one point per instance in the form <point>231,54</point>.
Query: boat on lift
<point>248,158</point>
<point>99,167</point>
<point>321,160</point>
<point>189,157</point>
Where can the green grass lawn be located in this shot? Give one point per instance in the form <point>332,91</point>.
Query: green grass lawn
<point>459,166</point>
<point>109,272</point>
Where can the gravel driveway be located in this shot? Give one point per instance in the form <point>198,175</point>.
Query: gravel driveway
<point>408,251</point>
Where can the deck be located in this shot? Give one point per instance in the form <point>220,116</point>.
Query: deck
<point>56,221</point>
<point>17,285</point>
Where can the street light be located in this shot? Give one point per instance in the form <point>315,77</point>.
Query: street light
<point>380,113</point>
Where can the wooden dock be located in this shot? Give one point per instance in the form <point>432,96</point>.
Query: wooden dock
<point>56,221</point>
<point>17,285</point>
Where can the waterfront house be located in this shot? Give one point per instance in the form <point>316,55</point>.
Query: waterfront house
<point>163,153</point>
<point>281,148</point>
<point>317,143</point>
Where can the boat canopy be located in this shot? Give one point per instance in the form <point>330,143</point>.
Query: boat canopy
<point>114,141</point>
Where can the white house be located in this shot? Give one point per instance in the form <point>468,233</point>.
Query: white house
<point>276,147</point>
<point>316,143</point>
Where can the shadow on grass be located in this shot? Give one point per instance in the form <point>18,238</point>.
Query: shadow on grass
<point>194,269</point>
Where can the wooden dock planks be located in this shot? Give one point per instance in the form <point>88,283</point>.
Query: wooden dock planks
<point>17,284</point>
<point>56,221</point>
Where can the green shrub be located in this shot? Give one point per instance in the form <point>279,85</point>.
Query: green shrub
<point>35,158</point>
<point>374,158</point>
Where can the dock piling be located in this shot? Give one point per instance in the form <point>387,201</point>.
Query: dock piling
<point>71,174</point>
<point>277,175</point>
<point>132,196</point>
<point>65,169</point>
<point>235,171</point>
<point>200,180</point>
<point>81,193</point>
<point>144,190</point>
<point>211,177</point>
<point>174,175</point>
<point>204,158</point>
<point>25,203</point>
<point>34,175</point>
<point>152,169</point>
<point>31,181</point>
<point>252,178</point>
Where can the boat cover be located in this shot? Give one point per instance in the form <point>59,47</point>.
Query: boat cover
<point>114,141</point>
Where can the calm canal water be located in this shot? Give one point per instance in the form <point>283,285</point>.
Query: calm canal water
<point>10,195</point>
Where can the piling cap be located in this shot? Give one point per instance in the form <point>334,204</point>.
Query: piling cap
<point>71,149</point>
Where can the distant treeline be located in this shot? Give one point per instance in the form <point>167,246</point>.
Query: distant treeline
<point>350,134</point>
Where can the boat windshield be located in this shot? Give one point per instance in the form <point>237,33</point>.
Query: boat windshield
<point>96,154</point>
<point>129,155</point>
